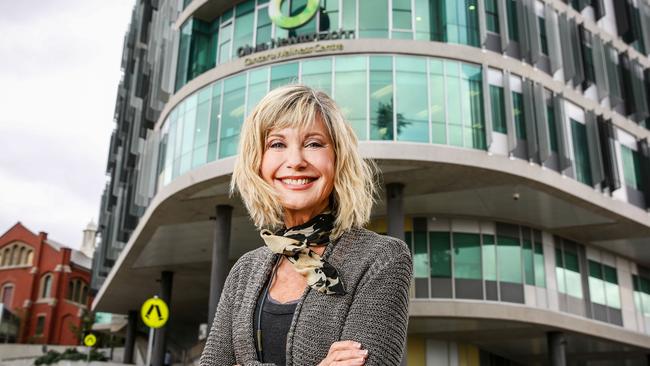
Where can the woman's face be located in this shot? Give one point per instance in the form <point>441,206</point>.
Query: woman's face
<point>299,164</point>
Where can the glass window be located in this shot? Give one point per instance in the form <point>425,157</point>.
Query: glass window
<point>422,20</point>
<point>46,286</point>
<point>498,109</point>
<point>518,114</point>
<point>402,23</point>
<point>611,287</point>
<point>420,255</point>
<point>381,98</point>
<point>454,109</point>
<point>350,91</point>
<point>7,295</point>
<point>203,50</point>
<point>201,131</point>
<point>529,267</point>
<point>457,21</point>
<point>467,256</point>
<point>568,271</point>
<point>264,30</point>
<point>244,18</point>
<point>437,101</point>
<point>40,325</point>
<point>257,88</point>
<point>284,74</point>
<point>297,7</point>
<point>489,258</point>
<point>631,167</point>
<point>215,119</point>
<point>492,16</point>
<point>373,18</point>
<point>596,284</point>
<point>552,129</point>
<point>225,40</point>
<point>543,41</point>
<point>472,105</point>
<point>349,14</point>
<point>509,250</point>
<point>185,38</point>
<point>234,96</point>
<point>329,15</point>
<point>318,74</point>
<point>581,152</point>
<point>440,254</point>
<point>513,27</point>
<point>412,107</point>
<point>642,294</point>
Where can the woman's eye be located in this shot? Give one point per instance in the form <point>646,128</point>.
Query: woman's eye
<point>276,145</point>
<point>314,144</point>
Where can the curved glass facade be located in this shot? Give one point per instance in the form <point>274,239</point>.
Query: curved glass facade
<point>400,98</point>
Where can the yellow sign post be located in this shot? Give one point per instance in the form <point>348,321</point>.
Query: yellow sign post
<point>154,313</point>
<point>90,340</point>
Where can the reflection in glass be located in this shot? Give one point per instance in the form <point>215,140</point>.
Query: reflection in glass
<point>381,98</point>
<point>350,92</point>
<point>232,116</point>
<point>412,96</point>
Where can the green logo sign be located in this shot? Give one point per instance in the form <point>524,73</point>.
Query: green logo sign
<point>295,21</point>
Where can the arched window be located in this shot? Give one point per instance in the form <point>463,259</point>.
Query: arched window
<point>30,257</point>
<point>46,286</point>
<point>6,256</point>
<point>7,294</point>
<point>84,294</point>
<point>22,256</point>
<point>77,291</point>
<point>68,295</point>
<point>14,256</point>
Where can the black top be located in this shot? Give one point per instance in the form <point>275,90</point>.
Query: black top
<point>275,323</point>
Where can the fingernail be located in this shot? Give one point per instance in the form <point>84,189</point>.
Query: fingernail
<point>364,352</point>
<point>357,344</point>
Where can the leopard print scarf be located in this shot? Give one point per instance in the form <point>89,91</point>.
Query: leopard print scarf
<point>293,243</point>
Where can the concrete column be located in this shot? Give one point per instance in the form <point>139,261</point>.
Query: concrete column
<point>129,344</point>
<point>556,348</point>
<point>160,338</point>
<point>220,249</point>
<point>395,209</point>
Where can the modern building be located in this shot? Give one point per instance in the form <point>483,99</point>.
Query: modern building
<point>44,287</point>
<point>512,136</point>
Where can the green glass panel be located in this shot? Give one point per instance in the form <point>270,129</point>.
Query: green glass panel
<point>561,281</point>
<point>439,243</point>
<point>422,20</point>
<point>408,239</point>
<point>489,258</point>
<point>189,121</point>
<point>518,115</point>
<point>203,51</point>
<point>349,14</point>
<point>257,84</point>
<point>437,102</point>
<point>613,295</point>
<point>202,127</point>
<point>381,98</point>
<point>215,118</point>
<point>559,259</point>
<point>279,31</point>
<point>184,41</point>
<point>457,21</point>
<point>454,109</point>
<point>472,102</point>
<point>297,7</point>
<point>264,26</point>
<point>609,274</point>
<point>513,28</point>
<point>373,18</point>
<point>225,43</point>
<point>402,14</point>
<point>572,275</point>
<point>420,255</point>
<point>498,109</point>
<point>529,266</point>
<point>232,115</point>
<point>492,16</point>
<point>540,271</point>
<point>412,114</point>
<point>509,257</point>
<point>595,270</point>
<point>284,74</point>
<point>552,129</point>
<point>571,261</point>
<point>329,15</point>
<point>467,256</point>
<point>350,92</point>
<point>597,291</point>
<point>542,35</point>
<point>581,152</point>
<point>631,167</point>
<point>318,74</point>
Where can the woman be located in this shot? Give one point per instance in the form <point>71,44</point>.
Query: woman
<point>323,291</point>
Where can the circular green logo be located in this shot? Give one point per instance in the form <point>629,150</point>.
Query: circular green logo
<point>295,21</point>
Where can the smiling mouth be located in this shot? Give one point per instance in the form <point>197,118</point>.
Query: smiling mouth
<point>297,181</point>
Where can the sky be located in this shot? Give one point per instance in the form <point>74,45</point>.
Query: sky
<point>59,72</point>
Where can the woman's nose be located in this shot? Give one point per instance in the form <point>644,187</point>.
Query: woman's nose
<point>295,158</point>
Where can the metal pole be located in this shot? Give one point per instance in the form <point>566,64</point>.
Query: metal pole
<point>395,209</point>
<point>129,344</point>
<point>149,348</point>
<point>556,348</point>
<point>160,341</point>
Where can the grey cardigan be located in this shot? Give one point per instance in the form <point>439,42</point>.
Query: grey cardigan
<point>376,271</point>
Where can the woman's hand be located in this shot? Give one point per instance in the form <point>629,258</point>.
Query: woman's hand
<point>345,353</point>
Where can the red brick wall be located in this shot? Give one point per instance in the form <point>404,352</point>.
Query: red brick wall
<point>59,312</point>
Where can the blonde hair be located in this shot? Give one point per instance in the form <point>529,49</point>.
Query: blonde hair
<point>298,106</point>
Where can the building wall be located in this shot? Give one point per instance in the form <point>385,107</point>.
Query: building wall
<point>59,311</point>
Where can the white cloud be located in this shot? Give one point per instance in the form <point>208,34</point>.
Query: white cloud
<point>59,71</point>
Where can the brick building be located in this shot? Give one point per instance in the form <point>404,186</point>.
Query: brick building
<point>45,284</point>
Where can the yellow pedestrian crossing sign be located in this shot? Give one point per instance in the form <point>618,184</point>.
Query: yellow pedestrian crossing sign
<point>90,340</point>
<point>154,312</point>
